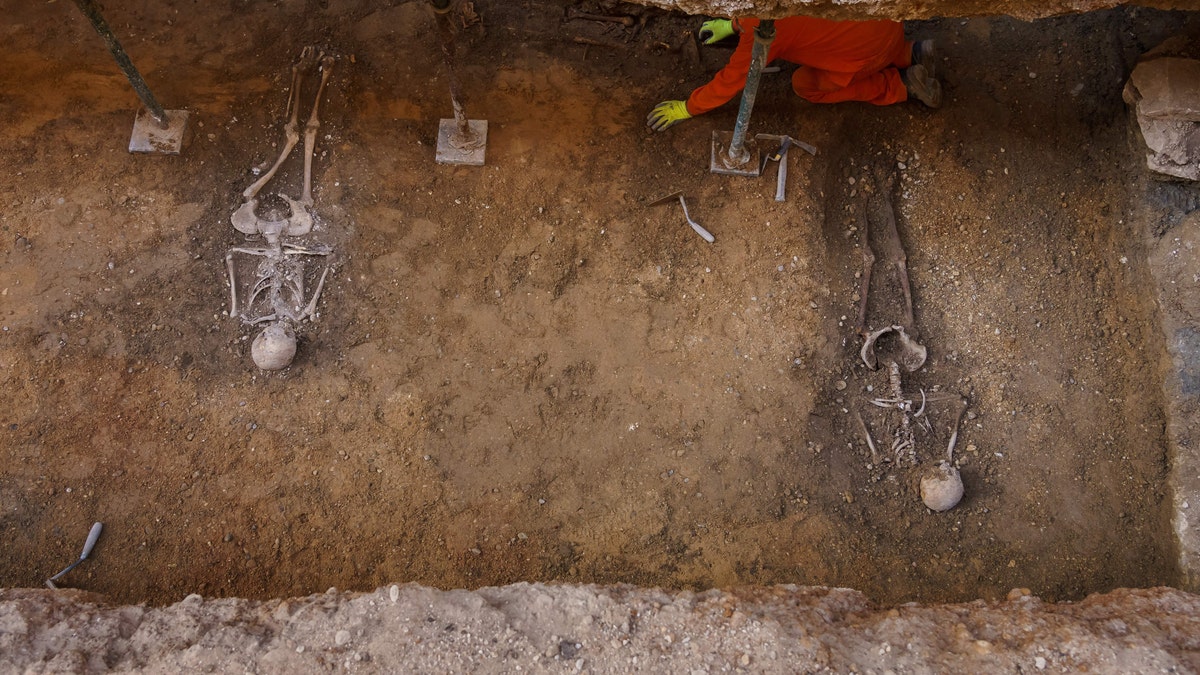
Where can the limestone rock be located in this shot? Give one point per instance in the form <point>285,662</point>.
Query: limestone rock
<point>1165,96</point>
<point>620,629</point>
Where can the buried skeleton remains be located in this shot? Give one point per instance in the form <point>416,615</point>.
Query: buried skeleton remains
<point>274,290</point>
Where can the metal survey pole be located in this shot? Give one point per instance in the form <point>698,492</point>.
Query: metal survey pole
<point>446,30</point>
<point>460,140</point>
<point>764,35</point>
<point>92,12</point>
<point>730,154</point>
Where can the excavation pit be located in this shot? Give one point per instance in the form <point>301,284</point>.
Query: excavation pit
<point>519,374</point>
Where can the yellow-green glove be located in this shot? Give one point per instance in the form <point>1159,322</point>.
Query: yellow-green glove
<point>667,114</point>
<point>715,30</point>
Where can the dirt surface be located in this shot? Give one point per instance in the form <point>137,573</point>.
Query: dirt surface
<point>521,371</point>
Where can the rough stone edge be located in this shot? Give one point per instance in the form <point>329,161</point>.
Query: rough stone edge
<point>898,9</point>
<point>600,629</point>
<point>1174,258</point>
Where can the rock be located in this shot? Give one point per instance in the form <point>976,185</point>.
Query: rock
<point>817,628</point>
<point>1164,94</point>
<point>1169,88</point>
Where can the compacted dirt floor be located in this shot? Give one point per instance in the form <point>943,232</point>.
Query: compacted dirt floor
<point>523,371</point>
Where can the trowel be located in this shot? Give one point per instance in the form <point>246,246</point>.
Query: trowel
<point>88,545</point>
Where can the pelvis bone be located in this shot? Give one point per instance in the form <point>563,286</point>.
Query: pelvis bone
<point>912,353</point>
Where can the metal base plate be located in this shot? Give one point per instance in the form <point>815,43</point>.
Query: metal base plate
<point>452,150</point>
<point>720,144</point>
<point>149,137</point>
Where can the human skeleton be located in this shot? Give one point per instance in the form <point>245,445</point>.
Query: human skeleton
<point>900,341</point>
<point>276,295</point>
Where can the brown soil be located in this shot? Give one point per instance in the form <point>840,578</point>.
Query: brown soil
<point>521,371</point>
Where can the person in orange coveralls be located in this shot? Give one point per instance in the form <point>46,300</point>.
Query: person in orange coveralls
<point>839,61</point>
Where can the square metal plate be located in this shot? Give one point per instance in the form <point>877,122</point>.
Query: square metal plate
<point>451,150</point>
<point>149,137</point>
<point>720,143</point>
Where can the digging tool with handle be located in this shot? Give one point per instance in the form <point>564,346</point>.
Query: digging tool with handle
<point>88,545</point>
<point>678,194</point>
<point>780,155</point>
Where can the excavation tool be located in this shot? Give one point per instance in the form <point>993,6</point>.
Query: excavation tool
<point>87,549</point>
<point>780,156</point>
<point>155,130</point>
<point>732,154</point>
<point>695,226</point>
<point>460,140</point>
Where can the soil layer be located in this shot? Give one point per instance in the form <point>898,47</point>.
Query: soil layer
<point>523,372</point>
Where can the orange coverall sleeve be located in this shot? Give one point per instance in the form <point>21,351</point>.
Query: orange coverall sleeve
<point>729,80</point>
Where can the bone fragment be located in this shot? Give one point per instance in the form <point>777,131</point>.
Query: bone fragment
<point>243,219</point>
<point>626,21</point>
<point>596,43</point>
<point>914,355</point>
<point>233,306</point>
<point>954,435</point>
<point>311,310</point>
<point>870,441</point>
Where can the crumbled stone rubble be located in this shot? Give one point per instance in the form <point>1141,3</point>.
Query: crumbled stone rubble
<point>617,629</point>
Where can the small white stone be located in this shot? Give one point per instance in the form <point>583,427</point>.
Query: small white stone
<point>341,637</point>
<point>394,593</point>
<point>1040,663</point>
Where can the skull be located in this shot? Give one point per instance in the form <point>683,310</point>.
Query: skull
<point>274,348</point>
<point>941,487</point>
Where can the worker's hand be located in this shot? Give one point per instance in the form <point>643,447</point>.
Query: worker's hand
<point>715,30</point>
<point>667,114</point>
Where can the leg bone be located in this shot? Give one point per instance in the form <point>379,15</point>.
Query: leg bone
<point>868,265</point>
<point>292,130</point>
<point>310,130</point>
